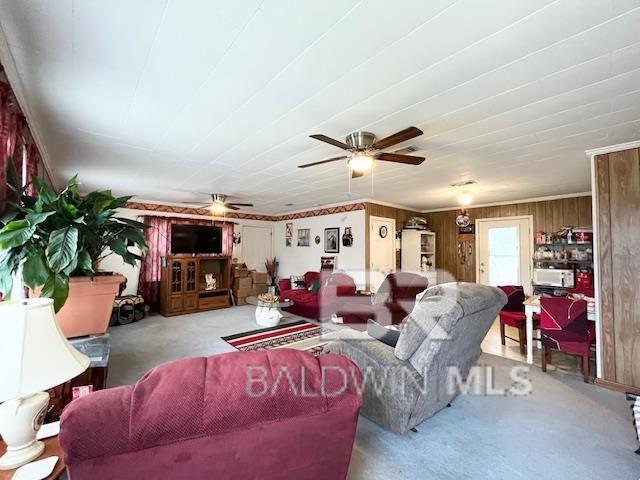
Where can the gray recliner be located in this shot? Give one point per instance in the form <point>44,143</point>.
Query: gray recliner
<point>439,343</point>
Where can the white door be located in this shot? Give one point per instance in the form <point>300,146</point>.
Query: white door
<point>504,248</point>
<point>256,246</point>
<point>382,250</point>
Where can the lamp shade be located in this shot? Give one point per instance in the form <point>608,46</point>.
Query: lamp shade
<point>34,354</point>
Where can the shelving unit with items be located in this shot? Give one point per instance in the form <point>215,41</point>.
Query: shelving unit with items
<point>563,261</point>
<point>418,253</point>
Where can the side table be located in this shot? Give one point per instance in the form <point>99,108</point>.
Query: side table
<point>97,348</point>
<point>51,447</point>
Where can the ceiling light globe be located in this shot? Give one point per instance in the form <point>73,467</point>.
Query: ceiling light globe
<point>218,208</point>
<point>465,199</point>
<point>361,162</point>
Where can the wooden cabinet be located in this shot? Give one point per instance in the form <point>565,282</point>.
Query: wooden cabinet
<point>617,193</point>
<point>183,284</point>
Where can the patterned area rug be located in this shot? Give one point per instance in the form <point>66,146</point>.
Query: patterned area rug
<point>300,335</point>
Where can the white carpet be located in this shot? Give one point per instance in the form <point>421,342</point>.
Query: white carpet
<point>565,429</point>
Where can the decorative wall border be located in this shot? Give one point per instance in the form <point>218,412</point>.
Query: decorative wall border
<point>353,207</point>
<point>158,207</point>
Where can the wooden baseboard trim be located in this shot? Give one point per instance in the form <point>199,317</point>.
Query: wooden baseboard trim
<point>619,387</point>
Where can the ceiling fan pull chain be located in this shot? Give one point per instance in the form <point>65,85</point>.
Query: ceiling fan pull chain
<point>349,173</point>
<point>372,170</point>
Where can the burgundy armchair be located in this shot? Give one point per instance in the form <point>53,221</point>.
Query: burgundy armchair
<point>564,326</point>
<point>333,288</point>
<point>393,301</point>
<point>225,416</point>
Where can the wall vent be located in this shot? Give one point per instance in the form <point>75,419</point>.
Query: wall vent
<point>407,150</point>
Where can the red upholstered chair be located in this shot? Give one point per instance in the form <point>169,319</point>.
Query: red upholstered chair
<point>564,326</point>
<point>393,301</point>
<point>333,287</point>
<point>512,315</point>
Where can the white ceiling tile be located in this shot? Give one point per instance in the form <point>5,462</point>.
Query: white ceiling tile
<point>117,33</point>
<point>174,100</point>
<point>272,39</point>
<point>38,26</point>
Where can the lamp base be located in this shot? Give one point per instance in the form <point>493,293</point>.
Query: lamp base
<point>20,421</point>
<point>22,456</point>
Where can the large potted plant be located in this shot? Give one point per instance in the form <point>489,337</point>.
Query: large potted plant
<point>57,240</point>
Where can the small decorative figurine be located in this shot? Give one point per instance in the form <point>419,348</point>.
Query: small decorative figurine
<point>211,280</point>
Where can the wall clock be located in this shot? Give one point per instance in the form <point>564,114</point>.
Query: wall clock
<point>383,231</point>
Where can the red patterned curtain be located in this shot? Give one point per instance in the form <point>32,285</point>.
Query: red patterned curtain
<point>8,133</point>
<point>32,160</point>
<point>15,141</point>
<point>159,241</point>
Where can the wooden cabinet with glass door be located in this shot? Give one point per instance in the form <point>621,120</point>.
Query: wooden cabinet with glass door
<point>183,287</point>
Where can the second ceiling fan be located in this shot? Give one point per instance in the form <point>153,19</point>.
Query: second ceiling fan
<point>364,149</point>
<point>219,201</point>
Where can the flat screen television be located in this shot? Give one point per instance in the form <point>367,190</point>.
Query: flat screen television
<point>196,239</point>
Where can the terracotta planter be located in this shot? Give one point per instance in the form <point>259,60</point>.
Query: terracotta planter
<point>88,309</point>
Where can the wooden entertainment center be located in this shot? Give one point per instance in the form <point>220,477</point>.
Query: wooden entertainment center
<point>183,285</point>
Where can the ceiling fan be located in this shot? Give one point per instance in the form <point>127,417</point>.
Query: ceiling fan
<point>364,150</point>
<point>219,202</point>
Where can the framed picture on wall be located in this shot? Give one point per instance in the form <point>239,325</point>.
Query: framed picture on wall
<point>304,235</point>
<point>288,230</point>
<point>287,242</point>
<point>332,240</point>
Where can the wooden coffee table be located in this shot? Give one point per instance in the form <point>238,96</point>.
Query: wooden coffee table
<point>51,447</point>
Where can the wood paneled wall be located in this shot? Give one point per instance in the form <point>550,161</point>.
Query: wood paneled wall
<point>548,216</point>
<point>618,200</point>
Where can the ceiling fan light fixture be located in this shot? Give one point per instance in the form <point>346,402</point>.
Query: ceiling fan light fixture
<point>218,208</point>
<point>361,162</point>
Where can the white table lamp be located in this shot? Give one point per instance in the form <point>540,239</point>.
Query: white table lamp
<point>34,356</point>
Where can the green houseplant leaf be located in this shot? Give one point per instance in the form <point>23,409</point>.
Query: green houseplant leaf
<point>57,235</point>
<point>9,262</point>
<point>56,287</point>
<point>36,218</point>
<point>15,234</point>
<point>85,263</point>
<point>35,270</point>
<point>62,248</point>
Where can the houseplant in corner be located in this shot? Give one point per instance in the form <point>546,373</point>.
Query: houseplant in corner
<point>57,240</point>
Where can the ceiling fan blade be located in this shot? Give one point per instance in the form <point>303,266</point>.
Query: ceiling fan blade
<point>356,174</point>
<point>398,137</point>
<point>397,158</point>
<point>231,207</point>
<point>331,141</point>
<point>321,162</point>
<point>236,204</point>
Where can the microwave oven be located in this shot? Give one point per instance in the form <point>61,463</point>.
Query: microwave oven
<point>554,277</point>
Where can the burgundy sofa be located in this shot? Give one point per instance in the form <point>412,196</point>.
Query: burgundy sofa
<point>393,301</point>
<point>334,287</point>
<point>201,418</point>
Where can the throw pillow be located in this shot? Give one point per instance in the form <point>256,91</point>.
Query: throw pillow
<point>314,287</point>
<point>297,282</point>
<point>388,336</point>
